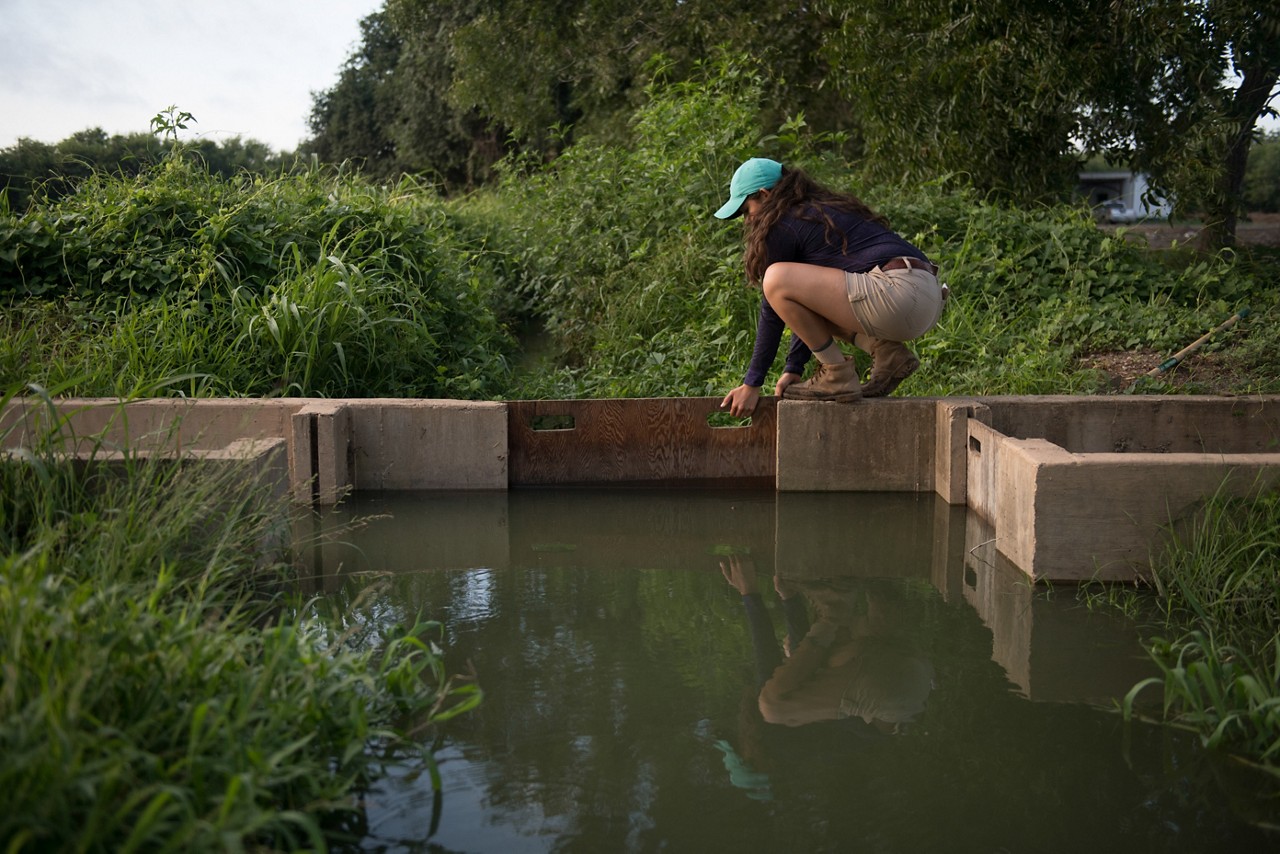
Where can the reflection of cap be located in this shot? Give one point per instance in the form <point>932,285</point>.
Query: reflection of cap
<point>758,173</point>
<point>741,775</point>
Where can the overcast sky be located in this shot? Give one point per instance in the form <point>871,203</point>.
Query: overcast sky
<point>242,67</point>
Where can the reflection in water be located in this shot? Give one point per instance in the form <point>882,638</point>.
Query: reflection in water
<point>717,670</point>
<point>856,660</point>
<point>859,660</point>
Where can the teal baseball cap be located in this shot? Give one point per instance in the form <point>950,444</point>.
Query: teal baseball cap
<point>758,173</point>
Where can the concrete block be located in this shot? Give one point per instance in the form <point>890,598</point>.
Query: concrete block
<point>1117,510</point>
<point>950,454</point>
<point>1061,516</point>
<point>428,444</point>
<point>320,452</point>
<point>879,445</point>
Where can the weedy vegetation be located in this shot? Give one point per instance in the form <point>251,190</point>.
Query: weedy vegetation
<point>1219,644</point>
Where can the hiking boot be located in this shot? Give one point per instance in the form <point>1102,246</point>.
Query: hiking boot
<point>891,363</point>
<point>829,382</point>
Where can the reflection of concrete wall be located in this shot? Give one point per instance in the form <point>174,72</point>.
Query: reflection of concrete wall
<point>1051,646</point>
<point>821,535</point>
<point>405,532</point>
<point>627,528</point>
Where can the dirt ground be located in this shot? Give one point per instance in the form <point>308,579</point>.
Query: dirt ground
<point>1258,229</point>
<point>1201,372</point>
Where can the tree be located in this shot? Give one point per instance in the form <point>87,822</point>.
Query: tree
<point>984,89</point>
<point>1003,90</point>
<point>54,170</point>
<point>351,120</point>
<point>469,80</point>
<point>1185,102</point>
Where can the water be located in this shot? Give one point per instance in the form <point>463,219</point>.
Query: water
<point>886,684</point>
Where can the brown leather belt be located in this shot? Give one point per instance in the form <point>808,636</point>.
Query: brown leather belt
<point>906,263</point>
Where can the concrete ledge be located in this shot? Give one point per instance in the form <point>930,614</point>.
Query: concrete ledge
<point>1074,487</point>
<point>428,444</point>
<point>167,424</point>
<point>1074,517</point>
<point>880,445</point>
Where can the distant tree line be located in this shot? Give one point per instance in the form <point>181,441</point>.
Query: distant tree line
<point>52,170</point>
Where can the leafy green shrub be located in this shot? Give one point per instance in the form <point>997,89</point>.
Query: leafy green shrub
<point>305,284</point>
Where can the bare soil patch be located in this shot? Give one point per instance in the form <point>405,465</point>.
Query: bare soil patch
<point>1198,373</point>
<point>1258,229</point>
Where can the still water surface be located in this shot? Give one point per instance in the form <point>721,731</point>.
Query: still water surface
<point>685,670</point>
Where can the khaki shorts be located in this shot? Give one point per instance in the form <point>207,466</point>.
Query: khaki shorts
<point>895,305</point>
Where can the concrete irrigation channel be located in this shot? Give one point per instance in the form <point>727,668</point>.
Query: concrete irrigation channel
<point>1063,489</point>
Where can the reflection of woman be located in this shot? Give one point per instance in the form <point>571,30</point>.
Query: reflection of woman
<point>830,268</point>
<point>852,662</point>
<point>832,676</point>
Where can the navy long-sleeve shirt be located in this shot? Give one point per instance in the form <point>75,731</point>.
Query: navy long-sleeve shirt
<point>858,246</point>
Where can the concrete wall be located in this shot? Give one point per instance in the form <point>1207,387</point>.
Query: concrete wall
<point>1142,423</point>
<point>1075,487</point>
<point>169,424</point>
<point>1074,517</point>
<point>333,446</point>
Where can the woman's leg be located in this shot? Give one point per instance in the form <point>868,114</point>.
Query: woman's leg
<point>812,300</point>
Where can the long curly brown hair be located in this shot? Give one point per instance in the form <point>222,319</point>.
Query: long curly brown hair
<point>797,193</point>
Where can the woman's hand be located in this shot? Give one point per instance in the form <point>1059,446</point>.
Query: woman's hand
<point>784,381</point>
<point>742,400</point>
<point>740,572</point>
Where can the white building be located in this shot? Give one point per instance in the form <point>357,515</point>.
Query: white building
<point>1122,196</point>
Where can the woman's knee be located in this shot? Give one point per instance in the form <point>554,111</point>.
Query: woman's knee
<point>774,281</point>
<point>789,279</point>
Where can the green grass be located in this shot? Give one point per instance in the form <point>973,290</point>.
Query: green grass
<point>161,688</point>
<point>1218,647</point>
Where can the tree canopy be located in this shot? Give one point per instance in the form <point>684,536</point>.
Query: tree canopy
<point>1013,94</point>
